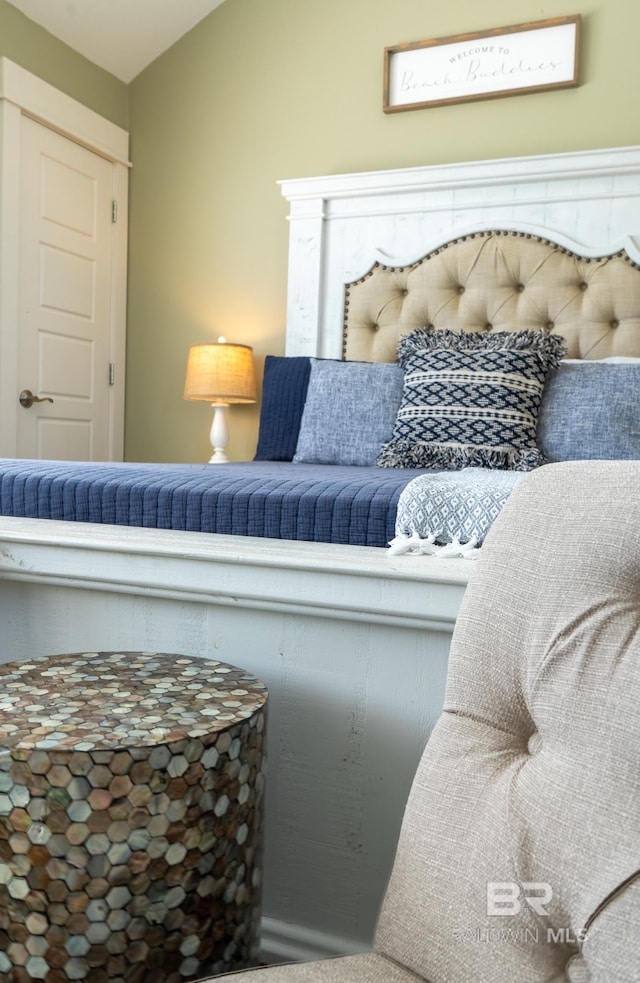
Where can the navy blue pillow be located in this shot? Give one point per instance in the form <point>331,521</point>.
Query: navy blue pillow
<point>284,392</point>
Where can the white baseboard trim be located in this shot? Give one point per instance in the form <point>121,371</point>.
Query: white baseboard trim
<point>286,942</point>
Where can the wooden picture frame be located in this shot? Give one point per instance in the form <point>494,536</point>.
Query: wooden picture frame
<point>492,64</point>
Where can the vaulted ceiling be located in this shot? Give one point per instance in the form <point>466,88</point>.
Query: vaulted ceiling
<point>121,36</point>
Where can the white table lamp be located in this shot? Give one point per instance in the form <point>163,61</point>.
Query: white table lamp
<point>220,373</point>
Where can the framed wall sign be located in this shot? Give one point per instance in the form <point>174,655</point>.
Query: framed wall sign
<point>484,65</point>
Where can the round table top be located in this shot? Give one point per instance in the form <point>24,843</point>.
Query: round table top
<point>105,700</point>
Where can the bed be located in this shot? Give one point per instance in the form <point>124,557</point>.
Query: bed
<point>352,640</point>
<point>385,445</point>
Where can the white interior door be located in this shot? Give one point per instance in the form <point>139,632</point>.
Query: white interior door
<point>64,347</point>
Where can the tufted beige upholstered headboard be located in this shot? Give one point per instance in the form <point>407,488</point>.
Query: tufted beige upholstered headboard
<point>498,281</point>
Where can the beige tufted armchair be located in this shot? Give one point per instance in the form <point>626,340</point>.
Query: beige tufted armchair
<point>519,856</point>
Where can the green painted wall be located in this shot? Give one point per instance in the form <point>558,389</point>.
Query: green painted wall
<point>34,49</point>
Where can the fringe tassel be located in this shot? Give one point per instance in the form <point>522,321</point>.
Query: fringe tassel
<point>427,546</point>
<point>550,347</point>
<point>445,457</point>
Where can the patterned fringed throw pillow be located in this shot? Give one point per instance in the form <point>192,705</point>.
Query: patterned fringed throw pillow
<point>471,400</point>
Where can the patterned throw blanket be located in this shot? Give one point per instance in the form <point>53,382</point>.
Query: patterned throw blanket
<point>448,513</point>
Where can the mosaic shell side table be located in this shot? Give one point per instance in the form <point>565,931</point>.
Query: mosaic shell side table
<point>131,803</point>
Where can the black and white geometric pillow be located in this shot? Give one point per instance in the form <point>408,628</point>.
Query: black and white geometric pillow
<point>471,399</point>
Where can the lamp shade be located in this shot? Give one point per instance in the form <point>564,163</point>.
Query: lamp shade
<point>221,372</point>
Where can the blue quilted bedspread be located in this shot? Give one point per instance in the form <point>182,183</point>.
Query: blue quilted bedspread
<point>312,502</point>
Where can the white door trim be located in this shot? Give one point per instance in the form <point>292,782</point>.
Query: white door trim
<point>24,93</point>
<point>60,112</point>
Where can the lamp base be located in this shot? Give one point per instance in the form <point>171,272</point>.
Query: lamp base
<point>219,434</point>
<point>218,457</point>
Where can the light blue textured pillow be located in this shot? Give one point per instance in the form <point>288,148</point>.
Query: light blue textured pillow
<point>591,411</point>
<point>349,412</point>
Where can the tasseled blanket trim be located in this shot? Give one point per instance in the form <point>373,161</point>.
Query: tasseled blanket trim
<point>427,546</point>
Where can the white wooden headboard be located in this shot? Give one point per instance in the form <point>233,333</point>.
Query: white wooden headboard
<point>340,226</point>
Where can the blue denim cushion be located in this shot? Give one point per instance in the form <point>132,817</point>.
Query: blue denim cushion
<point>591,411</point>
<point>284,391</point>
<point>350,411</point>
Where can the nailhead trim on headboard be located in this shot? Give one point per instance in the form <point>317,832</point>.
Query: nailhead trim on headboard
<point>375,309</point>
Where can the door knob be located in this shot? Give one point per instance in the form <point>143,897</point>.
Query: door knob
<point>27,399</point>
